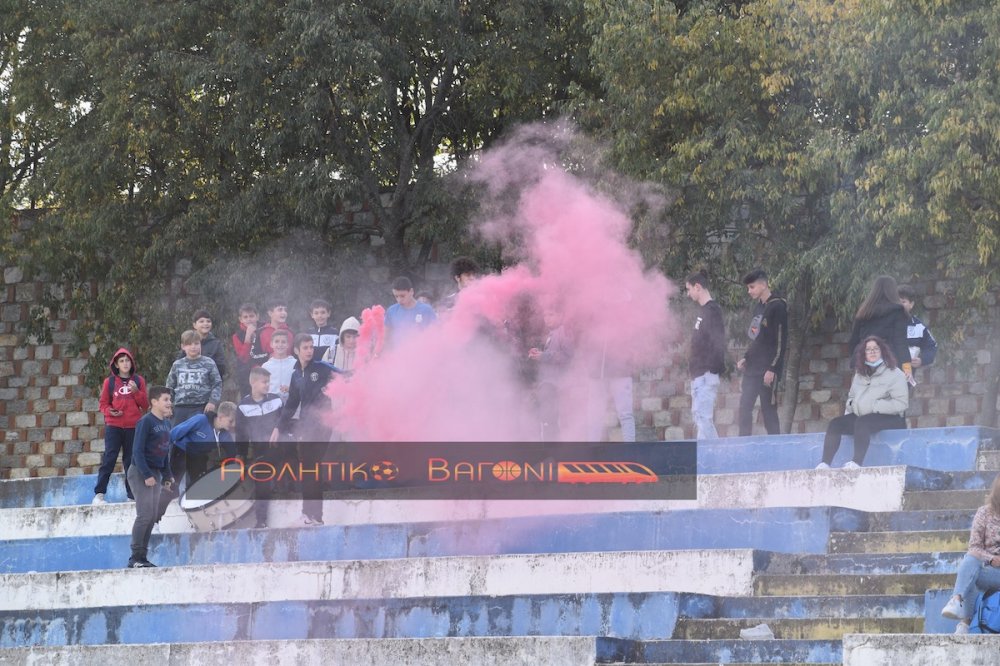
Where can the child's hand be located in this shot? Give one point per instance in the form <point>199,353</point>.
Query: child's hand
<point>534,353</point>
<point>283,388</point>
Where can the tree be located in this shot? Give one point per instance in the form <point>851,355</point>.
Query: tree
<point>920,83</point>
<point>39,81</point>
<point>716,102</point>
<point>832,141</point>
<point>216,128</point>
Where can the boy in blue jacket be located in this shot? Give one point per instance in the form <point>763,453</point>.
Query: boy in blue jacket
<point>197,438</point>
<point>149,474</point>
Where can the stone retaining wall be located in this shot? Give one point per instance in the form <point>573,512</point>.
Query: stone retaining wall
<point>51,424</point>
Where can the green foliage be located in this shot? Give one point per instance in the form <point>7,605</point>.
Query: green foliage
<point>827,141</point>
<point>202,133</point>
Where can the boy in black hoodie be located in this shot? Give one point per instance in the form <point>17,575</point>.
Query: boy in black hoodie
<point>308,392</point>
<point>764,360</point>
<point>211,346</point>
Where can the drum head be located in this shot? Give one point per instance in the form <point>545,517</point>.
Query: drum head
<point>210,488</point>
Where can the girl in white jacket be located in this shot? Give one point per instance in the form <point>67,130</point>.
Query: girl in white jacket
<point>877,400</point>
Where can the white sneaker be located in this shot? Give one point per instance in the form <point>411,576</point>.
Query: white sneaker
<point>309,520</point>
<point>954,610</point>
<point>822,465</point>
<point>961,628</point>
<point>850,464</point>
<point>761,632</point>
<point>99,499</point>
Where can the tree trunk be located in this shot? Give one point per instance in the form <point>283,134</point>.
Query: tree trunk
<point>989,413</point>
<point>396,255</point>
<point>799,312</point>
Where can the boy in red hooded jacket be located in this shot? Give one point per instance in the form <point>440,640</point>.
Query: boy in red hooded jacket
<point>123,402</point>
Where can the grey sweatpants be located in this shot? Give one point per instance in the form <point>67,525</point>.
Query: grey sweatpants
<point>150,505</point>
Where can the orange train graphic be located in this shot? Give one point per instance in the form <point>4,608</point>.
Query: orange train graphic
<point>604,472</point>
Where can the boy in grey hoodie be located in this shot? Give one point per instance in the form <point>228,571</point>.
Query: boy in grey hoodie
<point>194,379</point>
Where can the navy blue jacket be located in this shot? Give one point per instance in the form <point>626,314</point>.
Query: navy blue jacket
<point>152,446</point>
<point>307,391</point>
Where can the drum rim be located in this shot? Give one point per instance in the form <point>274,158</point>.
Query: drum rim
<point>209,503</point>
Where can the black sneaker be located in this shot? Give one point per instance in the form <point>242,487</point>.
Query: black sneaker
<point>139,564</point>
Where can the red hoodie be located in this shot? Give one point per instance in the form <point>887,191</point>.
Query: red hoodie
<point>131,403</point>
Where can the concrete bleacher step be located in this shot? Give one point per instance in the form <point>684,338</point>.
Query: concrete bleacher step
<point>481,651</point>
<point>783,529</point>
<point>915,521</point>
<point>815,628</point>
<point>920,500</point>
<point>639,616</point>
<point>397,570</point>
<point>950,449</point>
<point>988,460</point>
<point>967,480</point>
<point>719,651</point>
<point>848,584</point>
<point>919,650</point>
<point>900,542</point>
<point>863,563</point>
<point>957,448</point>
<point>696,607</point>
<point>549,573</point>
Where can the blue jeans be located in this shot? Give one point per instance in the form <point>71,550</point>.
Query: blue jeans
<point>974,577</point>
<point>621,394</point>
<point>115,439</point>
<point>704,390</point>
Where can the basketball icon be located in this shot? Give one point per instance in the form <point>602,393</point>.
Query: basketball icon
<point>384,470</point>
<point>506,470</point>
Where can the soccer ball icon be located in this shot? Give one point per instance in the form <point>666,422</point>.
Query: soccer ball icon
<point>384,470</point>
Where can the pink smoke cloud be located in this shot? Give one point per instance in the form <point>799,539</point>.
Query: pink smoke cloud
<point>463,378</point>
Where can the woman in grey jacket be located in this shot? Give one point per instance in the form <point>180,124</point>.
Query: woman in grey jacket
<point>877,401</point>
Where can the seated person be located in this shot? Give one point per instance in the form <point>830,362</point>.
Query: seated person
<point>877,400</point>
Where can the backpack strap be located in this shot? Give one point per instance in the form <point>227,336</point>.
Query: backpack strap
<point>111,388</point>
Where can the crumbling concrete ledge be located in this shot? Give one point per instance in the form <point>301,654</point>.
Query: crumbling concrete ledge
<point>485,651</point>
<point>920,650</point>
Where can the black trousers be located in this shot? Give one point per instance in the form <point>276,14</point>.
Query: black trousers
<point>314,448</point>
<point>753,387</point>
<point>194,464</point>
<point>862,428</point>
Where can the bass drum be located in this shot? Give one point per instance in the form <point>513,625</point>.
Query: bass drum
<point>215,502</point>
